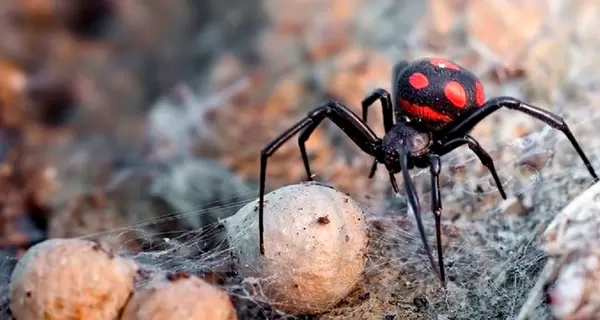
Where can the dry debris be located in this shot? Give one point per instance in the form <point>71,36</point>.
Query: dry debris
<point>74,70</point>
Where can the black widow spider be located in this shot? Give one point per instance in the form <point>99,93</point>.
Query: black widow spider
<point>436,104</point>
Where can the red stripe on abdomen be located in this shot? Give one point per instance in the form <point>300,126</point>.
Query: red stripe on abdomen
<point>423,112</point>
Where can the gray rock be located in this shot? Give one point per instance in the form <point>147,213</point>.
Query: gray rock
<point>202,191</point>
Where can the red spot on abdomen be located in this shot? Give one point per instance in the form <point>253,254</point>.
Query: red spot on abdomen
<point>418,80</point>
<point>456,94</point>
<point>479,94</point>
<point>443,63</point>
<point>423,112</point>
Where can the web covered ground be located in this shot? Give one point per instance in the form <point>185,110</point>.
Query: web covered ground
<point>491,245</point>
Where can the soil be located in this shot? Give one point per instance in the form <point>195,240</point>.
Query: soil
<point>99,101</point>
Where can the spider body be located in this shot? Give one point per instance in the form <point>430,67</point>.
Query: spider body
<point>435,105</point>
<point>432,93</point>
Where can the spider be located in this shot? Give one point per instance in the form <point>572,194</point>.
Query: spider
<point>435,103</point>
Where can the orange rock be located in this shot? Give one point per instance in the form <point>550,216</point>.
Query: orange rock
<point>546,66</point>
<point>227,70</point>
<point>324,39</point>
<point>12,84</point>
<point>281,52</point>
<point>292,17</point>
<point>504,26</point>
<point>285,96</point>
<point>442,15</point>
<point>40,13</point>
<point>441,19</point>
<point>356,73</point>
<point>265,118</point>
<point>344,10</point>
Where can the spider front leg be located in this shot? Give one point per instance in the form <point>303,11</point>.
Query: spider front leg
<point>341,116</point>
<point>415,205</point>
<point>388,114</point>
<point>307,132</point>
<point>373,169</point>
<point>484,157</point>
<point>388,107</point>
<point>551,119</point>
<point>386,104</point>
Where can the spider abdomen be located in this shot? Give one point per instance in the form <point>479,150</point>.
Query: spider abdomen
<point>433,92</point>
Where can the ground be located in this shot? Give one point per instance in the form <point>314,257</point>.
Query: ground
<point>94,116</point>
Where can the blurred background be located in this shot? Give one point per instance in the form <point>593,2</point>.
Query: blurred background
<point>115,112</point>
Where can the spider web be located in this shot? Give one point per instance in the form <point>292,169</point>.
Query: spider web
<point>491,253</point>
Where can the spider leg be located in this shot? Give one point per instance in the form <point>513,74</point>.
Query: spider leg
<point>484,157</point>
<point>551,119</point>
<point>302,138</point>
<point>389,108</point>
<point>373,169</point>
<point>386,104</point>
<point>310,128</point>
<point>340,115</point>
<point>435,166</point>
<point>388,113</point>
<point>415,204</point>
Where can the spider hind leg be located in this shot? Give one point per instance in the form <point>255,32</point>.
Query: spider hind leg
<point>551,119</point>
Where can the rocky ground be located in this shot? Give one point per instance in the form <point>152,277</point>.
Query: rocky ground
<point>105,106</point>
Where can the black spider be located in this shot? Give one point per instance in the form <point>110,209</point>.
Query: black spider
<point>436,104</point>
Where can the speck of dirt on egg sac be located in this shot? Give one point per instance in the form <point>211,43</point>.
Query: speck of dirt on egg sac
<point>178,276</point>
<point>323,220</point>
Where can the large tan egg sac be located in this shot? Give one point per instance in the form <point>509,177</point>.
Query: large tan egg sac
<point>179,296</point>
<point>70,279</point>
<point>315,245</point>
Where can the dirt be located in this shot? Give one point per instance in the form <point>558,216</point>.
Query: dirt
<point>78,149</point>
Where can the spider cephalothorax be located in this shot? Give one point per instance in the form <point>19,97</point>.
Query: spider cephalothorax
<point>436,103</point>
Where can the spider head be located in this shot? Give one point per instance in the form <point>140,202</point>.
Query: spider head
<point>404,138</point>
